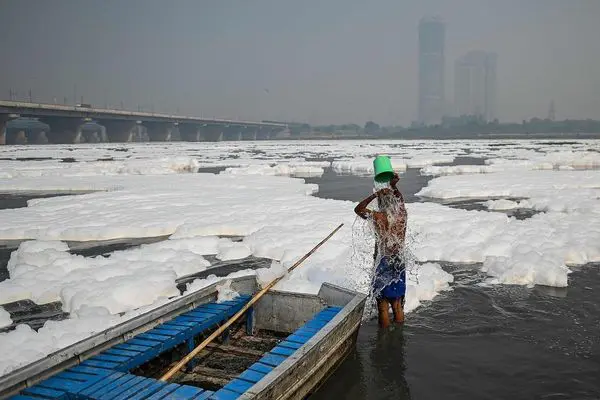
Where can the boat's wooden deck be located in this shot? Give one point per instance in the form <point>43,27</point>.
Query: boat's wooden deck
<point>276,356</point>
<point>105,377</point>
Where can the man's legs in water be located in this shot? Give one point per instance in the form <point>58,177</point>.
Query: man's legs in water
<point>383,309</point>
<point>398,309</point>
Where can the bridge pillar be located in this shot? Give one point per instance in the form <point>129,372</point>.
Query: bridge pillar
<point>3,121</point>
<point>201,133</point>
<point>213,133</point>
<point>92,133</point>
<point>190,132</point>
<point>63,130</point>
<point>160,131</point>
<point>232,133</point>
<point>249,133</point>
<point>119,130</point>
<point>4,118</point>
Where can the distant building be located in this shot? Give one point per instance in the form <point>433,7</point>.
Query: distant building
<point>431,70</point>
<point>475,85</point>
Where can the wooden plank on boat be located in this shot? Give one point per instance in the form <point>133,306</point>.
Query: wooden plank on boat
<point>251,376</point>
<point>282,351</point>
<point>185,393</point>
<point>45,393</point>
<point>148,391</point>
<point>141,384</point>
<point>238,386</point>
<point>164,392</point>
<point>225,394</point>
<point>224,348</point>
<point>117,391</point>
<point>272,359</point>
<point>106,386</point>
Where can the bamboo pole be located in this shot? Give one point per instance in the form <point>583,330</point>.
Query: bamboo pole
<point>253,300</point>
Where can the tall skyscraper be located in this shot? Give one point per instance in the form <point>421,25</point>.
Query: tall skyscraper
<point>475,85</point>
<point>432,33</point>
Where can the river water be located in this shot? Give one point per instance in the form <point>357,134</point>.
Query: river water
<point>473,342</point>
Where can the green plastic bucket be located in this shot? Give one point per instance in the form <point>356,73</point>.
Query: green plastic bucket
<point>383,169</point>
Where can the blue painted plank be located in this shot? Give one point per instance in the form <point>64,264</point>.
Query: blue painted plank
<point>120,382</point>
<point>204,395</point>
<point>224,394</point>
<point>181,320</point>
<point>74,376</point>
<point>305,332</point>
<point>290,345</point>
<point>121,388</point>
<point>197,320</point>
<point>101,383</point>
<point>238,385</point>
<point>251,376</point>
<point>185,393</point>
<point>282,351</point>
<point>203,314</point>
<point>110,358</point>
<point>178,324</point>
<point>22,397</point>
<point>142,358</point>
<point>205,311</point>
<point>90,370</point>
<point>260,367</point>
<point>272,359</point>
<point>165,331</point>
<point>316,324</point>
<point>45,392</point>
<point>132,347</point>
<point>143,384</point>
<point>143,342</point>
<point>100,364</point>
<point>62,384</point>
<point>155,337</point>
<point>150,390</point>
<point>214,306</point>
<point>162,393</point>
<point>297,339</point>
<point>120,352</point>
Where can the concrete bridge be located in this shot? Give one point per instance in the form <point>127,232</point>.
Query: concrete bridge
<point>66,125</point>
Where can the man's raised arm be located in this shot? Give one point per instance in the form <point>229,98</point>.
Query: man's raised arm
<point>361,209</point>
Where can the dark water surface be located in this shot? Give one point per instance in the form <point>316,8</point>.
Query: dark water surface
<point>475,342</point>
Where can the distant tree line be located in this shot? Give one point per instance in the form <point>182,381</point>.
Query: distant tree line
<point>459,127</point>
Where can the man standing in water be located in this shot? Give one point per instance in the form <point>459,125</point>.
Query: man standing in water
<point>389,283</point>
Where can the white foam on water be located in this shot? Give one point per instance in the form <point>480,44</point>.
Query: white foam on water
<point>5,319</point>
<point>503,204</point>
<point>225,292</point>
<point>278,219</point>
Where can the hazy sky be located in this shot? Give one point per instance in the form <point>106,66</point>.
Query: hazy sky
<point>320,61</point>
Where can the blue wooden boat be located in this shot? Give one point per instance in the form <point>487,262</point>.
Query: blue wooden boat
<point>284,348</point>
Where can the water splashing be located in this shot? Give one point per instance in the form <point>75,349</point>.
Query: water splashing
<point>370,244</point>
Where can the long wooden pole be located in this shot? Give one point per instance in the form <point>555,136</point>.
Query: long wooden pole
<point>253,300</point>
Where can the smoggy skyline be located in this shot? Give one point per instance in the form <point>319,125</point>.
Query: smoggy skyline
<point>321,62</point>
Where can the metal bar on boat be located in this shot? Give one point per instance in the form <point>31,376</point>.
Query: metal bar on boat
<point>253,300</point>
